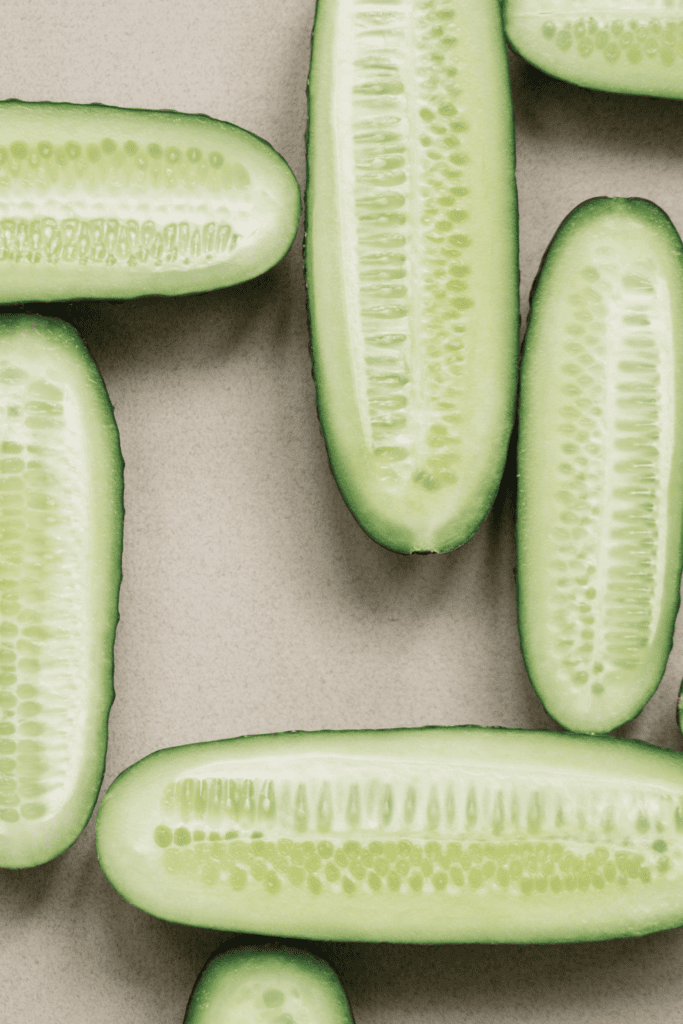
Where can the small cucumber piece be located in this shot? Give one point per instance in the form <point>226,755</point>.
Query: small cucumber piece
<point>267,985</point>
<point>413,835</point>
<point>411,262</point>
<point>100,202</point>
<point>61,519</point>
<point>630,46</point>
<point>600,520</point>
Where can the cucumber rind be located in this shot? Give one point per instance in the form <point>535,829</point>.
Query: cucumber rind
<point>594,764</point>
<point>126,191</point>
<point>53,348</point>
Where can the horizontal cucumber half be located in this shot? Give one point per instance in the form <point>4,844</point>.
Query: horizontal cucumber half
<point>61,517</point>
<point>411,261</point>
<point>630,46</point>
<point>600,517</point>
<point>425,835</point>
<point>101,202</point>
<point>266,985</point>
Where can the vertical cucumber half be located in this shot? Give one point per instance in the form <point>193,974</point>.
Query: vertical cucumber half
<point>600,517</point>
<point>630,46</point>
<point>414,835</point>
<point>101,202</point>
<point>61,518</point>
<point>411,261</point>
<point>267,985</point>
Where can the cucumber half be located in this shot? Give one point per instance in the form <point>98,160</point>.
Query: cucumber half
<point>61,518</point>
<point>102,202</point>
<point>629,46</point>
<point>600,518</point>
<point>411,262</point>
<point>415,835</point>
<point>268,985</point>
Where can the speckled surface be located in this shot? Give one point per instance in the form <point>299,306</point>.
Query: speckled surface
<point>251,600</point>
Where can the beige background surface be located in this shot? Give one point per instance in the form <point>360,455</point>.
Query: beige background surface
<point>251,600</point>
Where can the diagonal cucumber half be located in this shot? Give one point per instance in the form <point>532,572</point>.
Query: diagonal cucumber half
<point>105,202</point>
<point>600,519</point>
<point>268,985</point>
<point>411,261</point>
<point>629,46</point>
<point>411,835</point>
<point>61,519</point>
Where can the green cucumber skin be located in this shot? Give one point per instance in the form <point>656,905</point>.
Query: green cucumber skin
<point>29,837</point>
<point>576,42</point>
<point>595,804</point>
<point>264,984</point>
<point>107,202</point>
<point>605,689</point>
<point>420,513</point>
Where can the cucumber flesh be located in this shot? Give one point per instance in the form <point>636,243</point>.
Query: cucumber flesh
<point>266,985</point>
<point>426,835</point>
<point>61,517</point>
<point>600,519</point>
<point>103,202</point>
<point>411,262</point>
<point>628,46</point>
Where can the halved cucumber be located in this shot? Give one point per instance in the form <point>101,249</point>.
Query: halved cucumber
<point>600,518</point>
<point>61,518</point>
<point>425,835</point>
<point>102,202</point>
<point>411,262</point>
<point>631,46</point>
<point>268,985</point>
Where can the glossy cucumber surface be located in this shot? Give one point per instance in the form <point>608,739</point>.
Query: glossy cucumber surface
<point>600,516</point>
<point>265,985</point>
<point>103,202</point>
<point>629,46</point>
<point>411,261</point>
<point>427,835</point>
<point>61,519</point>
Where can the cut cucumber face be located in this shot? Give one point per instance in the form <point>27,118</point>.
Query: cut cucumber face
<point>100,202</point>
<point>265,985</point>
<point>630,46</point>
<point>600,459</point>
<point>61,518</point>
<point>411,262</point>
<point>425,835</point>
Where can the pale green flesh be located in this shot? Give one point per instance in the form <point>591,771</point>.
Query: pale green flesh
<point>600,451</point>
<point>630,46</point>
<point>432,835</point>
<point>260,985</point>
<point>103,202</point>
<point>60,567</point>
<point>411,256</point>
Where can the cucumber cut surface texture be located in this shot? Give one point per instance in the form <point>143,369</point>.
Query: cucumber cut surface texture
<point>600,516</point>
<point>411,261</point>
<point>61,518</point>
<point>629,46</point>
<point>428,835</point>
<point>103,202</point>
<point>262,985</point>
